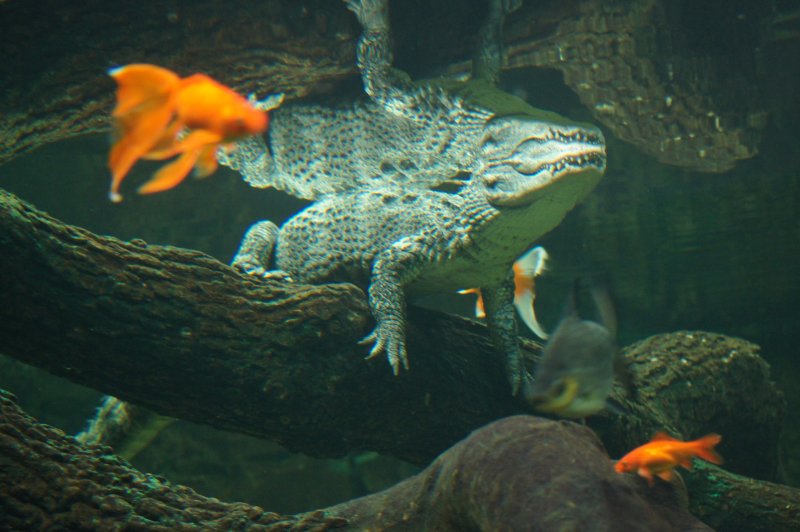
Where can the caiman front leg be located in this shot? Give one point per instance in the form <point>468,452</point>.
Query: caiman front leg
<point>392,270</point>
<point>254,256</point>
<point>501,317</point>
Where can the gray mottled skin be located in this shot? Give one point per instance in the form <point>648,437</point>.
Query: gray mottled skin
<point>399,242</point>
<point>372,165</point>
<point>414,135</point>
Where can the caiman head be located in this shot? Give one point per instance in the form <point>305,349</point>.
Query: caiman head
<point>532,167</point>
<point>521,156</point>
<point>525,152</point>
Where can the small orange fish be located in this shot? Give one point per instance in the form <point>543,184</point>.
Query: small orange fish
<point>154,105</point>
<point>664,453</point>
<point>526,269</point>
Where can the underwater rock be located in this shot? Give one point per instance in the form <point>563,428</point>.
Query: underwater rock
<point>523,473</point>
<point>518,473</point>
<point>178,332</point>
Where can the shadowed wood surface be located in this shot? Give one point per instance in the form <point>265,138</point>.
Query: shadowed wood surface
<point>186,336</point>
<point>627,61</point>
<point>180,333</point>
<point>513,472</point>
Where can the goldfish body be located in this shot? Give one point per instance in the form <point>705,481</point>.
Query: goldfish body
<point>154,106</point>
<point>664,453</point>
<point>526,269</point>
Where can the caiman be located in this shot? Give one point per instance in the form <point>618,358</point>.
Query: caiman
<point>382,217</point>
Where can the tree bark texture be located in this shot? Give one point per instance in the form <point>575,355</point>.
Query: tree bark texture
<point>622,59</point>
<point>186,336</point>
<point>520,472</point>
<point>55,55</point>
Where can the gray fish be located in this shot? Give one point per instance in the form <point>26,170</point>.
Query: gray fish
<point>576,372</point>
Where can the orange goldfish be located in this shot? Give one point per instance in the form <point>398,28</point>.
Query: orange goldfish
<point>664,453</point>
<point>526,269</point>
<point>154,106</point>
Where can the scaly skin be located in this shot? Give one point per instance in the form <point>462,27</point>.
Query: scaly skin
<point>373,166</point>
<point>420,135</point>
<point>398,241</point>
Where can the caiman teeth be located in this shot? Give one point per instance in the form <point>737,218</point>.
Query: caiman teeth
<point>574,136</point>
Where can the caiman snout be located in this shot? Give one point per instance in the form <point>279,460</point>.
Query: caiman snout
<point>521,155</point>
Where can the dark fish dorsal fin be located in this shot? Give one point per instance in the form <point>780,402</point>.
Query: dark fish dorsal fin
<point>663,436</point>
<point>606,314</point>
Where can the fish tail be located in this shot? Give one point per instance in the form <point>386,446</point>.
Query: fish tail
<point>480,307</point>
<point>207,162</point>
<point>524,304</point>
<point>704,448</point>
<point>526,269</point>
<point>199,147</point>
<point>143,113</point>
<point>605,307</point>
<point>171,175</point>
<point>141,85</point>
<point>533,263</point>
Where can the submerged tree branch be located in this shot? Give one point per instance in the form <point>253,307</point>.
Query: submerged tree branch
<point>614,56</point>
<point>186,336</point>
<point>493,480</point>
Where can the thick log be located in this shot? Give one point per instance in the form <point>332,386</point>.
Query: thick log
<point>53,75</point>
<point>622,59</point>
<point>516,472</point>
<point>186,336</point>
<point>177,332</point>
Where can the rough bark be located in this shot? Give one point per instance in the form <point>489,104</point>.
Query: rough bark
<point>516,472</point>
<point>186,336</point>
<point>48,480</point>
<point>55,55</point>
<point>622,59</point>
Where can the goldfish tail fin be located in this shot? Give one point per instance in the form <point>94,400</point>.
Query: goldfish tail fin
<point>142,114</point>
<point>524,304</point>
<point>533,263</point>
<point>704,448</point>
<point>526,269</point>
<point>480,308</point>
<point>141,85</point>
<point>171,175</point>
<point>207,162</point>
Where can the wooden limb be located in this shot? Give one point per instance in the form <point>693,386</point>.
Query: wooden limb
<point>49,481</point>
<point>53,76</point>
<point>186,336</point>
<point>514,472</point>
<point>54,84</point>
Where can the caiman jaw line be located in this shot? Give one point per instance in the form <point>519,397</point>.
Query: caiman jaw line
<point>558,152</point>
